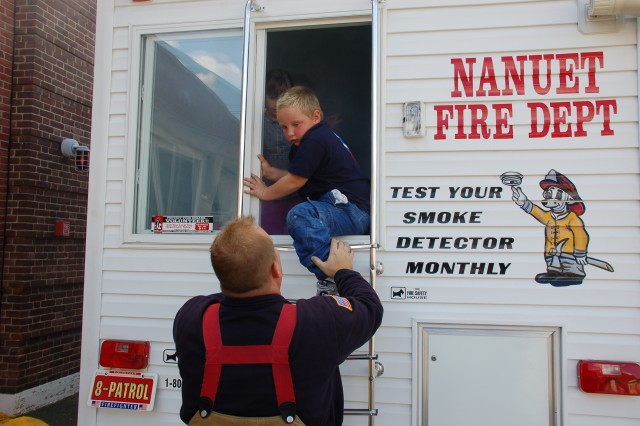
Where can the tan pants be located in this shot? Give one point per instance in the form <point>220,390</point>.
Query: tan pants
<point>217,419</point>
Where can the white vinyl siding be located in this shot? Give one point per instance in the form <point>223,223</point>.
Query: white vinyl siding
<point>599,319</point>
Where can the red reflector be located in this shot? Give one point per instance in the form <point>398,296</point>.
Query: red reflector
<point>619,378</point>
<point>129,354</point>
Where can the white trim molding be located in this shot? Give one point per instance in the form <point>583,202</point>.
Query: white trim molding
<point>39,396</point>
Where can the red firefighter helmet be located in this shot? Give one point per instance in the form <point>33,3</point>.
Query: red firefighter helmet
<point>557,179</point>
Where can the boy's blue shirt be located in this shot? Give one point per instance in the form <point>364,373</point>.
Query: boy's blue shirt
<point>328,164</point>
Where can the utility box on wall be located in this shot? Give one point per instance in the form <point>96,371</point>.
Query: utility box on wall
<point>63,228</point>
<point>503,375</point>
<point>414,119</point>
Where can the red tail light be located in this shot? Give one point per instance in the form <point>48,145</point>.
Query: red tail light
<point>619,378</point>
<point>127,354</point>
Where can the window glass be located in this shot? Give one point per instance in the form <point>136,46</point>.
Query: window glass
<point>189,127</point>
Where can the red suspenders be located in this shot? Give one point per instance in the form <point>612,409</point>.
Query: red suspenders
<point>276,354</point>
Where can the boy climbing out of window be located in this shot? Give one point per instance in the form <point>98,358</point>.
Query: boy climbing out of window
<point>325,173</point>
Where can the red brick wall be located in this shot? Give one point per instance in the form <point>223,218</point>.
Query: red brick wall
<point>6,63</point>
<point>42,277</point>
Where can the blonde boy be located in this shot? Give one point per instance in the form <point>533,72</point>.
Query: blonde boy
<point>325,173</point>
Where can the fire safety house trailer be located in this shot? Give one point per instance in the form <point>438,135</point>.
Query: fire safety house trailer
<point>501,139</point>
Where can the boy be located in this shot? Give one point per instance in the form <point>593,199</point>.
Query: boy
<point>324,173</point>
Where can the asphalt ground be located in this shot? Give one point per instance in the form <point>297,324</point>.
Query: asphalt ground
<point>61,413</point>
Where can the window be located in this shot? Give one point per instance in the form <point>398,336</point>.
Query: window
<point>189,127</point>
<point>334,61</point>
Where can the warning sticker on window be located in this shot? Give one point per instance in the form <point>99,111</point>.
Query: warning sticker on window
<point>181,224</point>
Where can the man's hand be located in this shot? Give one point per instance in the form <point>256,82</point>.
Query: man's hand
<point>268,171</point>
<point>340,257</point>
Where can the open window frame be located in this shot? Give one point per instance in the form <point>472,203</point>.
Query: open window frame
<point>357,132</point>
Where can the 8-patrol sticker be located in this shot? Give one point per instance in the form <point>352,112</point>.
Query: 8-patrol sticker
<point>343,302</point>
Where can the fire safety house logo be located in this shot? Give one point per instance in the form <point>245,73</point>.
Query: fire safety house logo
<point>398,293</point>
<point>404,293</point>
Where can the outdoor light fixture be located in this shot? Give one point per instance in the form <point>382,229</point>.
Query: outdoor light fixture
<point>605,16</point>
<point>614,7</point>
<point>71,148</point>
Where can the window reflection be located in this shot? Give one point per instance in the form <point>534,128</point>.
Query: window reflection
<point>189,126</point>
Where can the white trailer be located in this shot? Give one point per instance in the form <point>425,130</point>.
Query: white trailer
<point>501,138</point>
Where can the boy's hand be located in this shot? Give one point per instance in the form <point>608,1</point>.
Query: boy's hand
<point>340,257</point>
<point>256,186</point>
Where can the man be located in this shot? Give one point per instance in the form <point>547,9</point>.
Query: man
<point>327,330</point>
<point>275,151</point>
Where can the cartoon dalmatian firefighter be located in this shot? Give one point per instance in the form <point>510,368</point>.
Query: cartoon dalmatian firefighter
<point>566,239</point>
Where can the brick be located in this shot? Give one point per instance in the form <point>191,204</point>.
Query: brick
<point>40,326</point>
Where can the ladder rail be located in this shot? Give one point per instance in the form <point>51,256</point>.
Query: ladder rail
<point>357,247</point>
<point>373,269</point>
<point>371,358</point>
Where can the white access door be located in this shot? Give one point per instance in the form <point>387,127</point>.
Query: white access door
<point>488,376</point>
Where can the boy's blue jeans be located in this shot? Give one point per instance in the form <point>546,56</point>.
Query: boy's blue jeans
<point>312,224</point>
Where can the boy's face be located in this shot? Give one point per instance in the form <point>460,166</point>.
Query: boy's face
<point>294,123</point>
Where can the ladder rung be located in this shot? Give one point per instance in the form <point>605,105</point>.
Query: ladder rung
<point>360,412</point>
<point>289,247</point>
<point>363,356</point>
